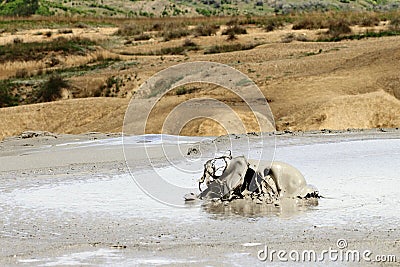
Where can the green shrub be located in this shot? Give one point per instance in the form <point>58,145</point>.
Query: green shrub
<point>203,11</point>
<point>44,10</point>
<point>19,7</point>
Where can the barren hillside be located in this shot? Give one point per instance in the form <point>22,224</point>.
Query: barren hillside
<point>308,84</point>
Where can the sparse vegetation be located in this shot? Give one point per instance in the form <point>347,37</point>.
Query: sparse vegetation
<point>39,50</point>
<point>111,87</point>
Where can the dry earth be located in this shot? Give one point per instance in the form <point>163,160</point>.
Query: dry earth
<point>309,85</point>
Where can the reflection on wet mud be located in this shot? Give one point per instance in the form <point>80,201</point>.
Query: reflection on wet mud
<point>286,208</point>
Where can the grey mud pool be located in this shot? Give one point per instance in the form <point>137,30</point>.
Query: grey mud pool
<point>103,218</point>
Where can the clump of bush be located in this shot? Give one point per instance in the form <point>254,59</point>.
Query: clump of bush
<point>309,23</point>
<point>7,98</point>
<point>339,27</point>
<point>51,89</point>
<point>174,33</point>
<point>190,44</point>
<point>234,29</point>
<point>205,30</point>
<point>272,24</point>
<point>21,73</point>
<point>369,20</point>
<point>394,24</point>
<point>290,37</point>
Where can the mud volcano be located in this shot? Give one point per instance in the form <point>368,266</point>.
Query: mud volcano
<point>246,183</point>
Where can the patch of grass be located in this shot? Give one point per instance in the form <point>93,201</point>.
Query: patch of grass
<point>229,48</point>
<point>38,50</point>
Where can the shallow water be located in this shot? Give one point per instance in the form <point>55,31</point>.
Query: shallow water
<point>359,181</point>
